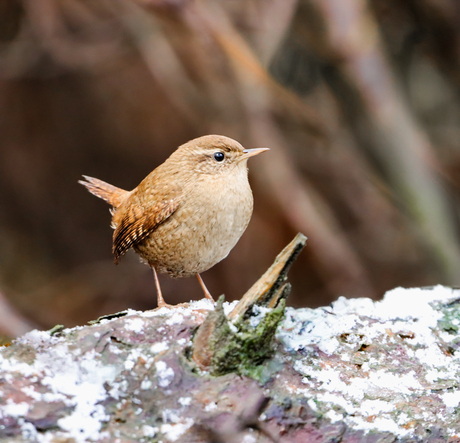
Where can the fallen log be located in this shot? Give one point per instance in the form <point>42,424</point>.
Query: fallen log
<point>357,371</point>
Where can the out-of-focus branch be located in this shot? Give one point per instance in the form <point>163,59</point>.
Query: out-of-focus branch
<point>264,24</point>
<point>197,29</point>
<point>160,58</point>
<point>383,121</point>
<point>439,19</point>
<point>91,46</point>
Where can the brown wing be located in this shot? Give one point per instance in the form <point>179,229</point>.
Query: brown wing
<point>139,223</point>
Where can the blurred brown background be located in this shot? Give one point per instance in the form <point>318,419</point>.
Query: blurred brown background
<point>358,100</point>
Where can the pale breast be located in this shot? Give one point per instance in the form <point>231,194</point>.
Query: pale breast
<point>204,229</point>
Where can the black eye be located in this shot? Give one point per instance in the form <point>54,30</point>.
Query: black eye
<point>218,156</point>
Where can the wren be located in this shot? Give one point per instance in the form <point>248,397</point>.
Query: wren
<point>188,213</point>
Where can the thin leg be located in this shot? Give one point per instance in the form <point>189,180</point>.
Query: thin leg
<point>207,294</point>
<point>160,300</point>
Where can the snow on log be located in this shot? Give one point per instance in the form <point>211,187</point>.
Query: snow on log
<point>356,371</point>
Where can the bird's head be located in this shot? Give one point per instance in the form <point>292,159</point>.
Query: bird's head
<point>215,154</point>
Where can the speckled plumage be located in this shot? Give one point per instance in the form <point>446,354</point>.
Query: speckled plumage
<point>188,213</point>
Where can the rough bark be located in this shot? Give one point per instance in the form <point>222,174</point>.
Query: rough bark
<point>357,371</point>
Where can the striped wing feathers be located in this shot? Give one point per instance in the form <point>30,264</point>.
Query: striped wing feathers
<point>138,223</point>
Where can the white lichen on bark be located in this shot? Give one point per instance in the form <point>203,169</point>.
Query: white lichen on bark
<point>351,370</point>
<point>387,366</point>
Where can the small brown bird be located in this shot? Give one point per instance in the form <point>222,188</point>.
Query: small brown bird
<point>188,213</point>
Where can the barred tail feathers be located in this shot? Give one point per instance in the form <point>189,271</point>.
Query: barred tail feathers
<point>111,194</point>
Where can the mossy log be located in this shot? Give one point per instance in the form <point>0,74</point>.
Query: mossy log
<point>357,371</point>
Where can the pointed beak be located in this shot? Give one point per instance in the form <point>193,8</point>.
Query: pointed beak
<point>251,152</point>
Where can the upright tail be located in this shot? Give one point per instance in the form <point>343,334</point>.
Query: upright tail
<point>111,194</point>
